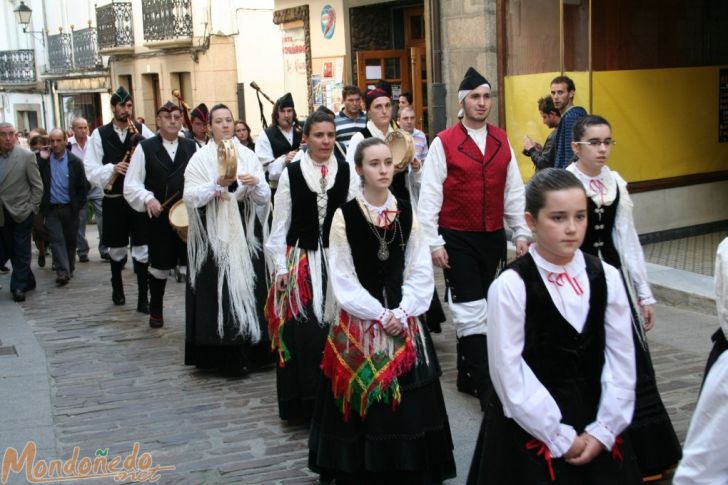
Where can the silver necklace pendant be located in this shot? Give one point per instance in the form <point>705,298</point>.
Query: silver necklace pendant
<point>323,182</point>
<point>383,253</point>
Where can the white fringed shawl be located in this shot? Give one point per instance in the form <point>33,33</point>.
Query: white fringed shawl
<point>232,247</point>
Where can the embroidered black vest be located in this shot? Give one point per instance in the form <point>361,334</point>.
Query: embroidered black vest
<point>569,364</point>
<point>600,224</point>
<point>278,142</point>
<point>165,177</point>
<point>304,228</point>
<point>382,279</point>
<point>399,181</point>
<point>115,149</point>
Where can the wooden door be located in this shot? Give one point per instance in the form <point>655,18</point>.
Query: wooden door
<point>389,65</point>
<point>419,86</point>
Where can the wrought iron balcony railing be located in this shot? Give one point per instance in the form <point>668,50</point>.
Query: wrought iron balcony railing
<point>115,27</point>
<point>17,67</point>
<point>85,50</point>
<point>167,20</point>
<point>60,53</point>
<point>73,52</point>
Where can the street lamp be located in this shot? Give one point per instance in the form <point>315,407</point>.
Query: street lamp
<point>22,16</point>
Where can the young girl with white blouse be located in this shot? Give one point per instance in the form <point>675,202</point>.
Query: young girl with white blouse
<point>380,416</point>
<point>611,236</point>
<point>560,353</point>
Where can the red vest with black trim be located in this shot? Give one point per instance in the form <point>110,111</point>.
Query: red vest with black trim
<point>474,189</point>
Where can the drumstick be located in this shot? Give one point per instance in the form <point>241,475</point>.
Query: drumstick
<point>171,197</point>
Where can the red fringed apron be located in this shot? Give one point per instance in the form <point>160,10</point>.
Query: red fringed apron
<point>363,363</point>
<point>282,307</point>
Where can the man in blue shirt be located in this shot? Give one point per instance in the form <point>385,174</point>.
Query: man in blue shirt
<point>64,194</point>
<point>562,94</point>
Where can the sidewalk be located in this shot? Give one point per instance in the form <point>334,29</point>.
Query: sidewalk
<point>26,402</point>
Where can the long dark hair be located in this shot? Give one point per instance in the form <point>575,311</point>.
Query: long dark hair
<point>249,143</point>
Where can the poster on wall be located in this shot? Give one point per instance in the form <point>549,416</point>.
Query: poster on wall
<point>723,106</point>
<point>327,82</point>
<point>295,80</point>
<point>328,21</point>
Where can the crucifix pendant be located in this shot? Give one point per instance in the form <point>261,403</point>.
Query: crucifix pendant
<point>383,253</point>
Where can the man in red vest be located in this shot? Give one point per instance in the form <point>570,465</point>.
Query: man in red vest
<point>470,183</point>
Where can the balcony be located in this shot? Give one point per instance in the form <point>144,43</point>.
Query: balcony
<point>85,50</point>
<point>167,23</point>
<point>73,53</point>
<point>115,28</point>
<point>17,67</point>
<point>60,53</point>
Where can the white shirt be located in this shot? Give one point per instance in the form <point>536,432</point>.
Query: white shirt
<point>602,190</point>
<point>418,285</point>
<point>135,193</point>
<point>358,137</point>
<point>705,456</point>
<point>276,244</point>
<point>524,397</point>
<point>434,173</point>
<point>721,284</point>
<point>97,173</point>
<point>200,189</point>
<point>264,151</point>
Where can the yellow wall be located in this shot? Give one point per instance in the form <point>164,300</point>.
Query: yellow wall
<point>665,121</point>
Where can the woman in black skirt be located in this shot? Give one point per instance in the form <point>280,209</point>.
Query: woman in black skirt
<point>611,236</point>
<point>380,416</point>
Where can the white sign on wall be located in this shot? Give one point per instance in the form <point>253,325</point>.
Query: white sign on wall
<point>295,80</point>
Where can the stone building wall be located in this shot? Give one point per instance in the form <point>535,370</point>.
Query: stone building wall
<point>468,39</point>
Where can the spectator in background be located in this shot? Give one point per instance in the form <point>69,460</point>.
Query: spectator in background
<point>21,190</point>
<point>351,119</point>
<point>242,132</point>
<point>78,145</point>
<point>38,143</point>
<point>562,94</point>
<point>64,193</point>
<point>405,100</point>
<point>543,156</point>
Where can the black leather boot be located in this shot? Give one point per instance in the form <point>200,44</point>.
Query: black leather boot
<point>142,274</point>
<point>156,302</point>
<point>117,285</point>
<point>473,374</point>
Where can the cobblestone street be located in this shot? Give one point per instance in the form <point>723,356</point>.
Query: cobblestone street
<point>114,381</point>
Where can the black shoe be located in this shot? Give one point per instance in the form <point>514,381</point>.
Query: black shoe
<point>156,322</point>
<point>62,280</point>
<point>18,295</point>
<point>83,258</point>
<point>41,259</point>
<point>4,269</point>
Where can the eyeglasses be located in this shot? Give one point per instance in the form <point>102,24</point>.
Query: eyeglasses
<point>597,143</point>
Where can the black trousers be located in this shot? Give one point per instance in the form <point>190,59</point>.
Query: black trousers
<point>122,223</point>
<point>474,258</point>
<point>62,223</point>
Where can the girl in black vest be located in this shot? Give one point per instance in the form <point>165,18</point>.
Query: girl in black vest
<point>380,415</point>
<point>561,356</point>
<point>611,236</point>
<point>309,191</point>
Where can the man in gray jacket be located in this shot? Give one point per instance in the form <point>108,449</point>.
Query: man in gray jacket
<point>21,190</point>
